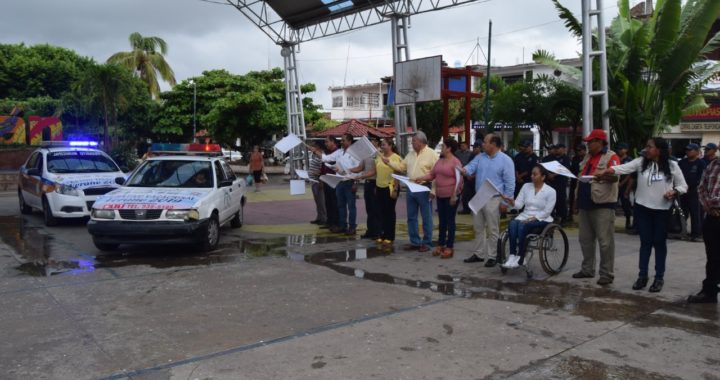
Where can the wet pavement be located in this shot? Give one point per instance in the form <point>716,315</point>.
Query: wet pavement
<point>283,299</point>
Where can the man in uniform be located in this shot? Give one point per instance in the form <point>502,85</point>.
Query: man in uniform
<point>524,162</point>
<point>692,168</point>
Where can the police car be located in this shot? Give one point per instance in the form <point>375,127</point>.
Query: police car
<point>183,193</point>
<point>63,179</point>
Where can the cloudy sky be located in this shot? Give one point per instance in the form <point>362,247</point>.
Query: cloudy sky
<point>202,35</point>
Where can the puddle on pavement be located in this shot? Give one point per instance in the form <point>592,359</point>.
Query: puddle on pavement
<point>597,304</point>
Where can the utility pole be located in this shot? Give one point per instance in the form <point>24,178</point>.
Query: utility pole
<point>487,83</point>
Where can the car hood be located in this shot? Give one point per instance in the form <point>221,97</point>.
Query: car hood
<point>87,180</point>
<point>138,198</point>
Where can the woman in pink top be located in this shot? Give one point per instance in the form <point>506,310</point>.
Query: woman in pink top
<point>447,189</point>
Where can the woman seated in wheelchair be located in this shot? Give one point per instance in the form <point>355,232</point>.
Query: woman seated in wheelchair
<point>538,198</point>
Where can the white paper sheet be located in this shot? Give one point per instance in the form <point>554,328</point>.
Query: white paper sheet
<point>288,142</point>
<point>362,149</point>
<point>458,178</point>
<point>558,168</point>
<point>303,174</point>
<point>586,178</point>
<point>297,187</point>
<point>332,179</point>
<point>486,192</point>
<point>412,186</point>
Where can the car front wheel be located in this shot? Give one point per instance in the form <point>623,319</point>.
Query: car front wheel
<point>50,220</point>
<point>211,234</point>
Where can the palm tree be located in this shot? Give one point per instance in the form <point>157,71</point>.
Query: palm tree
<point>105,88</point>
<point>657,66</point>
<point>146,60</point>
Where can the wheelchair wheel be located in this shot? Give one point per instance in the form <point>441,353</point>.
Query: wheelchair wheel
<point>503,251</point>
<point>553,249</point>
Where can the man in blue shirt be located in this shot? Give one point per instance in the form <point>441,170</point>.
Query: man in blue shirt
<point>497,167</point>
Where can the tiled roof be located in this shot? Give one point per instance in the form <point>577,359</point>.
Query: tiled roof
<point>355,128</point>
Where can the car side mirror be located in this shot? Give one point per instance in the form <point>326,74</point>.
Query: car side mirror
<point>33,171</point>
<point>225,183</point>
<point>120,180</point>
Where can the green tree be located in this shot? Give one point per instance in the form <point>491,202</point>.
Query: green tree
<point>147,61</point>
<point>250,106</point>
<point>657,66</point>
<point>106,87</point>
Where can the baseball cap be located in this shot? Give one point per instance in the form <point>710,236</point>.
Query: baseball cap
<point>692,146</point>
<point>622,146</point>
<point>526,143</point>
<point>598,134</point>
<point>710,146</point>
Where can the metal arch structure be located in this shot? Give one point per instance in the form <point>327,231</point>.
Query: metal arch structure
<point>322,21</point>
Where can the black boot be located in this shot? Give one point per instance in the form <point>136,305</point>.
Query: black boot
<point>640,283</point>
<point>656,285</point>
<point>703,297</point>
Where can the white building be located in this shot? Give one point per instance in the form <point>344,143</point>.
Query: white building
<point>365,102</point>
<point>526,71</point>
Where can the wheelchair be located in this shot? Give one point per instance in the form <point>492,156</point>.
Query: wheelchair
<point>550,242</point>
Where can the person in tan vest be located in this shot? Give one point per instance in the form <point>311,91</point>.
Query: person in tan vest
<point>595,203</point>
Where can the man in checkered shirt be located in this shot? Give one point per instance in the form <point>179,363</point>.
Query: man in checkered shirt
<point>709,193</point>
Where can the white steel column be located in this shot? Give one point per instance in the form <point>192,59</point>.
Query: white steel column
<point>294,108</point>
<point>588,54</point>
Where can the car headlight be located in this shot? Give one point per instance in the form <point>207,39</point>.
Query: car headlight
<point>103,214</point>
<point>193,214</point>
<point>176,214</point>
<point>67,190</point>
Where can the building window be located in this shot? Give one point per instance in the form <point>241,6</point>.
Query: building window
<point>337,101</point>
<point>371,99</point>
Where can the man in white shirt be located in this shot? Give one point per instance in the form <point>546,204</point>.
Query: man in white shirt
<point>346,189</point>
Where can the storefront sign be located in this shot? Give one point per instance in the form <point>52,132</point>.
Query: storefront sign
<point>699,127</point>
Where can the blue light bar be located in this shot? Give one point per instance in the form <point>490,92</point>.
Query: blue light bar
<point>83,143</point>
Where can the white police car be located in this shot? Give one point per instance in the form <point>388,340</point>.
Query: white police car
<point>171,199</point>
<point>63,179</point>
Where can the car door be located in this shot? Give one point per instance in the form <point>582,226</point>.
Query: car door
<point>32,184</point>
<point>236,192</point>
<point>225,193</point>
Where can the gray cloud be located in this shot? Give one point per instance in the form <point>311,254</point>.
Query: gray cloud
<point>203,36</point>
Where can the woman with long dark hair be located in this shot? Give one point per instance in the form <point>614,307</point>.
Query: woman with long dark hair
<point>659,181</point>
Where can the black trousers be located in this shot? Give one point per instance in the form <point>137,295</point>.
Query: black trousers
<point>561,206</point>
<point>571,198</point>
<point>711,226</point>
<point>387,212</point>
<point>372,208</point>
<point>333,218</point>
<point>690,204</point>
<point>625,203</point>
<point>467,193</point>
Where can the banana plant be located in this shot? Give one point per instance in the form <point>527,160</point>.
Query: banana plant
<point>657,65</point>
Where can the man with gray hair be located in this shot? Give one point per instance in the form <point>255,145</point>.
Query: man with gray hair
<point>418,162</point>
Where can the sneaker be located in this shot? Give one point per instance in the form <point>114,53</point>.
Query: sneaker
<point>512,262</point>
<point>387,242</point>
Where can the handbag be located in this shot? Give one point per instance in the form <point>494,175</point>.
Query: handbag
<point>264,178</point>
<point>249,180</point>
<point>676,222</point>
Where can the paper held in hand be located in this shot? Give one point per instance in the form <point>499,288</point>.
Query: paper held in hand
<point>333,179</point>
<point>303,174</point>
<point>297,187</point>
<point>288,142</point>
<point>486,192</point>
<point>362,149</point>
<point>558,168</point>
<point>586,178</point>
<point>412,186</point>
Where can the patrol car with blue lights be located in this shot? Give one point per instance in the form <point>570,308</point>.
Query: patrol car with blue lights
<point>182,193</point>
<point>63,179</point>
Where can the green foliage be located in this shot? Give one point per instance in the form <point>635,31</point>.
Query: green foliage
<point>125,154</point>
<point>250,106</point>
<point>38,71</point>
<point>147,60</point>
<point>656,67</point>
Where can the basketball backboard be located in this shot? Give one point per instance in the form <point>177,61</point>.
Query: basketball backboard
<point>418,80</point>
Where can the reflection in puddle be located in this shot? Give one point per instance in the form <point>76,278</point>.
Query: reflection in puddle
<point>597,304</point>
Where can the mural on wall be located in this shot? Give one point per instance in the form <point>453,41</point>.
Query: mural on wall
<point>12,130</point>
<point>44,129</point>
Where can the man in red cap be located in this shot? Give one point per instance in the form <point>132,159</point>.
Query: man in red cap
<point>596,201</point>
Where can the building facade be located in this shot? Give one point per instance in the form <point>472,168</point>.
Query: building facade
<point>365,102</point>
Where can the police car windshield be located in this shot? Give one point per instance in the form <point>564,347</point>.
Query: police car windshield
<point>74,161</point>
<point>171,173</point>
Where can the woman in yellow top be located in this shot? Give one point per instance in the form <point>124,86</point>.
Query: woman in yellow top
<point>386,185</point>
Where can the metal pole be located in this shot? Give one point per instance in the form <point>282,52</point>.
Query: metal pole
<point>587,67</point>
<point>194,110</point>
<point>487,84</point>
<point>605,101</point>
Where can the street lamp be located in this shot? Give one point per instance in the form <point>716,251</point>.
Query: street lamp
<point>192,82</point>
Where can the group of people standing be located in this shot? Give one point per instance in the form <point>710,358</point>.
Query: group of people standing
<point>540,197</point>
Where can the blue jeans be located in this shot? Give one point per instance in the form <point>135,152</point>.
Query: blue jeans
<point>652,226</point>
<point>421,201</point>
<point>346,205</point>
<point>446,215</point>
<point>518,232</point>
